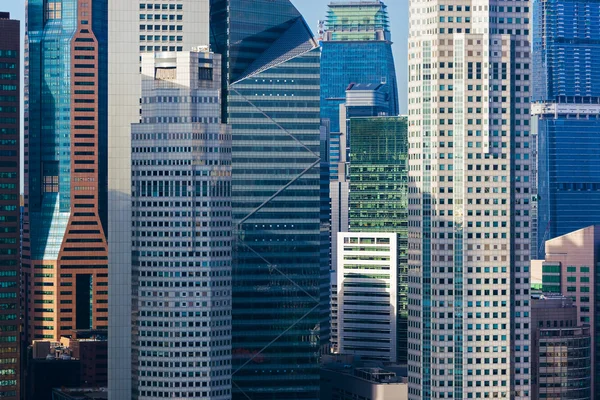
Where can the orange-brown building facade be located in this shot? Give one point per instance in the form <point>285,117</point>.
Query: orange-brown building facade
<point>65,254</point>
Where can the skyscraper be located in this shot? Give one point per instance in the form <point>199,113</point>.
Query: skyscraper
<point>10,210</point>
<point>134,28</point>
<point>181,210</point>
<point>280,289</point>
<point>379,200</point>
<point>356,48</point>
<point>358,71</point>
<point>360,100</point>
<point>469,200</point>
<point>566,95</point>
<point>65,251</point>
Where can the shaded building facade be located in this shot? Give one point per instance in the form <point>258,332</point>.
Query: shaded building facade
<point>566,107</point>
<point>65,254</point>
<point>10,210</point>
<point>280,275</point>
<point>561,351</point>
<point>362,383</point>
<point>134,29</point>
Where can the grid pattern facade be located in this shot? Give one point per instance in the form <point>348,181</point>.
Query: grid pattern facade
<point>135,27</point>
<point>171,25</point>
<point>567,94</point>
<point>577,256</point>
<point>277,219</point>
<point>10,240</point>
<point>357,48</point>
<point>379,198</point>
<point>280,295</point>
<point>469,200</point>
<point>181,217</point>
<point>366,296</point>
<point>64,249</point>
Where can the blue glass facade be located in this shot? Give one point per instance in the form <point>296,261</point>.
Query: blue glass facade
<point>49,163</point>
<point>569,175</point>
<point>272,104</point>
<point>566,54</point>
<point>566,83</point>
<point>355,51</point>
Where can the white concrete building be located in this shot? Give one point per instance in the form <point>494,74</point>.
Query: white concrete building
<point>174,26</point>
<point>366,295</point>
<point>181,217</point>
<point>469,199</point>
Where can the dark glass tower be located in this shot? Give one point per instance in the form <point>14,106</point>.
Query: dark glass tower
<point>65,254</point>
<point>356,48</point>
<point>566,82</point>
<point>379,196</point>
<point>271,79</point>
<point>10,122</point>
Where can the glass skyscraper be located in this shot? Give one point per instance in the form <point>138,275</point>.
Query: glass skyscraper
<point>279,283</point>
<point>65,254</point>
<point>356,48</point>
<point>566,95</point>
<point>379,197</point>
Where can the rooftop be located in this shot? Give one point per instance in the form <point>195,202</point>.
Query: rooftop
<point>363,3</point>
<point>82,393</point>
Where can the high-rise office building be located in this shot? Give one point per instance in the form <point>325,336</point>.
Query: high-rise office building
<point>566,97</point>
<point>280,276</point>
<point>65,255</point>
<point>360,100</point>
<point>181,217</point>
<point>135,27</point>
<point>357,70</point>
<point>469,199</point>
<point>379,200</point>
<point>569,269</point>
<point>561,362</point>
<point>356,48</point>
<point>10,210</point>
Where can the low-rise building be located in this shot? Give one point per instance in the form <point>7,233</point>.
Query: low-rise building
<point>346,377</point>
<point>561,350</point>
<point>80,394</point>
